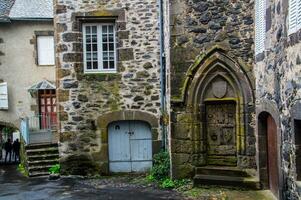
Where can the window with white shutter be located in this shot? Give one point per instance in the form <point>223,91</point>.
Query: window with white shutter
<point>294,16</point>
<point>3,96</point>
<point>259,26</point>
<point>45,48</point>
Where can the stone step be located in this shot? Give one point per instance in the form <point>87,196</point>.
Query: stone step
<point>41,168</point>
<point>250,182</point>
<point>49,156</point>
<point>222,171</point>
<point>41,146</point>
<point>42,162</point>
<point>41,151</point>
<point>38,173</point>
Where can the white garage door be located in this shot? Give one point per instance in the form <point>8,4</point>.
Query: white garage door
<point>130,146</point>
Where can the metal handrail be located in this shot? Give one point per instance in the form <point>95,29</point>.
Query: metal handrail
<point>38,128</point>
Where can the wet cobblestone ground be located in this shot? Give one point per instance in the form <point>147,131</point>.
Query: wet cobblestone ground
<point>14,186</point>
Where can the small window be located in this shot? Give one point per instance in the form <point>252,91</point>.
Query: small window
<point>99,48</point>
<point>45,49</point>
<point>294,16</point>
<point>260,26</point>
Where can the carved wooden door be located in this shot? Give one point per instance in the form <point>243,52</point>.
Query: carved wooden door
<point>221,134</point>
<point>272,156</point>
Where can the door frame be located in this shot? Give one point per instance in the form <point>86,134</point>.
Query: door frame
<point>263,110</point>
<point>126,115</point>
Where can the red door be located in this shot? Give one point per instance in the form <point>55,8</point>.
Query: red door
<point>47,104</point>
<point>272,156</point>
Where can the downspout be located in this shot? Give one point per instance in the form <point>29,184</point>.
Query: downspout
<point>162,76</point>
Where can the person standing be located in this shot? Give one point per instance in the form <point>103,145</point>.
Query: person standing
<point>16,149</point>
<point>8,148</point>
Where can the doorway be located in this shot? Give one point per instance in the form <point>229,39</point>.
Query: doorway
<point>221,134</point>
<point>272,155</point>
<point>47,109</point>
<point>297,129</point>
<point>130,146</point>
<point>268,153</point>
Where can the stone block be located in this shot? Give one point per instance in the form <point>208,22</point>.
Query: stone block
<point>72,57</point>
<point>121,35</point>
<point>181,146</point>
<point>63,95</point>
<point>182,171</point>
<point>181,131</point>
<point>126,54</point>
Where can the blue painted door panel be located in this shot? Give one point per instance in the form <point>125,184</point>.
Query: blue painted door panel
<point>130,146</point>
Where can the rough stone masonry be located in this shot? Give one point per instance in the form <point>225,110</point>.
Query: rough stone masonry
<point>278,90</point>
<point>83,98</point>
<point>205,35</point>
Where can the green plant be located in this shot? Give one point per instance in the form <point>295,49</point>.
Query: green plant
<point>22,169</point>
<point>55,169</point>
<point>161,166</point>
<point>160,173</point>
<point>167,183</point>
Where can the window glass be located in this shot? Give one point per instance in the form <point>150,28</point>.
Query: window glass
<point>99,48</point>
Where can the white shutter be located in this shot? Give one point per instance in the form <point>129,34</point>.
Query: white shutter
<point>293,10</point>
<point>298,15</point>
<point>259,26</point>
<point>3,96</point>
<point>45,50</point>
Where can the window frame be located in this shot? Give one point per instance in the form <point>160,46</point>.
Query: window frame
<point>38,50</point>
<point>100,68</point>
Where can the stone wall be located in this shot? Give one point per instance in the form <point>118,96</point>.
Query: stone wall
<point>278,82</point>
<point>83,98</point>
<point>201,31</point>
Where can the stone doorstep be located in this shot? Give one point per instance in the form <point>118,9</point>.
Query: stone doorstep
<point>250,182</point>
<point>227,176</point>
<point>223,171</point>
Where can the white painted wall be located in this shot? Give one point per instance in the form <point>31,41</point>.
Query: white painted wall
<point>18,67</point>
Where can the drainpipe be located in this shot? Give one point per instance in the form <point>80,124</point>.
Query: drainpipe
<point>162,75</point>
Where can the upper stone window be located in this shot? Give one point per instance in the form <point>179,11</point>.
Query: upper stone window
<point>260,23</point>
<point>99,48</point>
<point>294,18</point>
<point>45,50</point>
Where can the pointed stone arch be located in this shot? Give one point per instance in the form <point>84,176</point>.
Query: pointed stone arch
<point>218,83</point>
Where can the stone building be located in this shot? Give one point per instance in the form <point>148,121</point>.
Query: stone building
<point>278,93</point>
<point>26,58</point>
<point>212,90</point>
<point>108,80</point>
